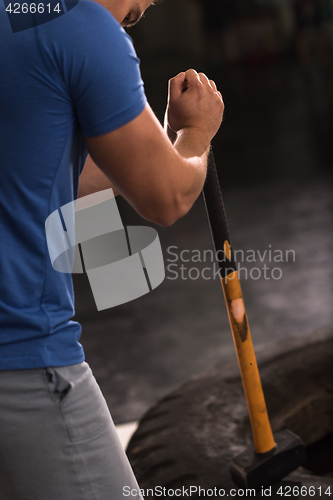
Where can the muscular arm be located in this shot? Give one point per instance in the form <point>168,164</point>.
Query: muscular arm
<point>161,180</point>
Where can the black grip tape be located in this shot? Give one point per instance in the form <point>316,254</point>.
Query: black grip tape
<point>217,218</point>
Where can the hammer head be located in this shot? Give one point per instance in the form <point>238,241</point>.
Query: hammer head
<point>253,470</point>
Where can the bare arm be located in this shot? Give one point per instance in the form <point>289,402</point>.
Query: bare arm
<point>160,180</point>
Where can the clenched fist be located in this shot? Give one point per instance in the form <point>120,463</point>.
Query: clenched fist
<point>194,103</point>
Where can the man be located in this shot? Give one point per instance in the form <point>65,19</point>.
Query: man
<point>70,86</point>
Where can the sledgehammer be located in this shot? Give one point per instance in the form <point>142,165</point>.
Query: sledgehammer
<point>270,459</point>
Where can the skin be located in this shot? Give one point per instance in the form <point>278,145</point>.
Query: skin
<point>159,171</point>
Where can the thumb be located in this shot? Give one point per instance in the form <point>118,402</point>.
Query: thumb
<point>176,86</point>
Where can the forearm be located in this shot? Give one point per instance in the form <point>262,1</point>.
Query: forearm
<point>173,176</point>
<point>184,165</point>
<point>191,146</point>
<point>194,149</point>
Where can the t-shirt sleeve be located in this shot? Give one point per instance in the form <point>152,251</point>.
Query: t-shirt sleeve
<point>102,70</point>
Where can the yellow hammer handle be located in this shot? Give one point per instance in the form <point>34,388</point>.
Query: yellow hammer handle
<point>262,433</point>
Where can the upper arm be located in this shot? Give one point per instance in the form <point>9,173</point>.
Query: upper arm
<point>142,164</point>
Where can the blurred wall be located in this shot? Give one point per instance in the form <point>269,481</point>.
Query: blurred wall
<point>172,28</point>
<point>253,29</point>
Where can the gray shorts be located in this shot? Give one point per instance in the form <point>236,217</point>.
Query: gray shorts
<point>57,438</point>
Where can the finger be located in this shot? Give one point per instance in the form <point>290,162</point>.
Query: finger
<point>220,95</point>
<point>176,86</point>
<point>192,78</point>
<point>213,85</point>
<point>204,79</point>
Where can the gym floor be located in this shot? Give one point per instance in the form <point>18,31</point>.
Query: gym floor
<point>274,155</point>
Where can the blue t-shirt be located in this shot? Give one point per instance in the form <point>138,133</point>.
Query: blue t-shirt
<point>75,76</point>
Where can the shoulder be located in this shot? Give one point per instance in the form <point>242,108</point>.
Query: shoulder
<point>87,40</point>
<point>86,25</point>
<point>89,14</point>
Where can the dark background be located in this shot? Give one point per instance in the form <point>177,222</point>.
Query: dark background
<point>272,61</point>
